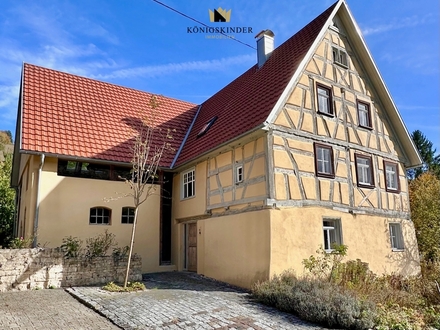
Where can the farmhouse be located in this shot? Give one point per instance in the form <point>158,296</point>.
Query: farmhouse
<point>304,149</point>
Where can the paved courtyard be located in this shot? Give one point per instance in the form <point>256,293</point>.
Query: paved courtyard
<point>47,310</point>
<point>186,301</point>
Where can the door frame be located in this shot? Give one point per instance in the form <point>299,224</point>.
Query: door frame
<point>186,243</point>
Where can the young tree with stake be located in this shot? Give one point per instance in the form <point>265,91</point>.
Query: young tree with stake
<point>149,145</point>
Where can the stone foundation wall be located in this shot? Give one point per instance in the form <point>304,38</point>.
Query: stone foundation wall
<point>22,269</point>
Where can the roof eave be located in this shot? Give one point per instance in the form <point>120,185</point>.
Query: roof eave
<point>401,131</point>
<point>262,127</point>
<point>290,86</point>
<point>16,160</point>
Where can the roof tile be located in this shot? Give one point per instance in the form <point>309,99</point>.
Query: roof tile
<point>253,94</point>
<point>60,108</point>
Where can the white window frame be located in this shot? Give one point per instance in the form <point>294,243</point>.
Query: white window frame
<point>332,231</point>
<point>239,173</point>
<point>364,171</point>
<point>364,114</point>
<point>391,172</point>
<point>321,162</point>
<point>188,183</point>
<point>396,237</point>
<point>325,100</point>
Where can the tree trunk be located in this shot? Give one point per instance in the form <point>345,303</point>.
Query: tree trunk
<point>131,246</point>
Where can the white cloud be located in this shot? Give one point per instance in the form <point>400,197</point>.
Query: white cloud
<point>172,68</point>
<point>399,24</point>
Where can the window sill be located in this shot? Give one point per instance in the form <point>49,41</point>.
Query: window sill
<point>342,65</point>
<point>186,198</point>
<point>397,250</point>
<point>366,127</point>
<point>363,185</point>
<point>332,115</point>
<point>325,175</point>
<point>394,191</point>
<point>99,224</point>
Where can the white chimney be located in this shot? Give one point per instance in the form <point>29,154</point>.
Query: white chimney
<point>265,46</point>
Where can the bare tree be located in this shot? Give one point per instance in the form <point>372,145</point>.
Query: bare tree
<point>149,145</point>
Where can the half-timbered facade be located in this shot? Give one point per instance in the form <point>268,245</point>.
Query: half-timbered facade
<point>305,149</point>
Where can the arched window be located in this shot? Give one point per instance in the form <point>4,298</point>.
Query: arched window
<point>127,215</point>
<point>100,216</point>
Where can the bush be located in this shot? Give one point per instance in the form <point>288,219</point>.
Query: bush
<point>98,246</point>
<point>21,243</point>
<point>71,247</point>
<point>317,301</point>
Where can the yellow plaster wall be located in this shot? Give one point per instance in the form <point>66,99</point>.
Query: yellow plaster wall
<point>65,208</point>
<point>296,233</point>
<point>193,206</point>
<point>29,178</point>
<point>235,248</point>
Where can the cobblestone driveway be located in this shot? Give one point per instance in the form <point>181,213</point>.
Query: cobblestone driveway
<point>186,301</point>
<point>47,310</point>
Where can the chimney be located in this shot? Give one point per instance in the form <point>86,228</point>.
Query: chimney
<point>265,46</point>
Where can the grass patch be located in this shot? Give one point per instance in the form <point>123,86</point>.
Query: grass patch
<point>131,287</point>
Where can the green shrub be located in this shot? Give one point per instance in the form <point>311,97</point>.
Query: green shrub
<point>21,243</point>
<point>120,253</point>
<point>98,246</point>
<point>71,247</point>
<point>317,301</point>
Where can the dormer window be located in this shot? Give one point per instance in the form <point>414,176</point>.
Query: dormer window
<point>207,126</point>
<point>340,57</point>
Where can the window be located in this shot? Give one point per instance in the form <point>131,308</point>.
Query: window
<point>239,174</point>
<point>207,126</point>
<point>391,176</point>
<point>396,236</point>
<point>127,215</point>
<point>189,184</point>
<point>340,57</point>
<point>93,170</point>
<point>364,114</point>
<point>332,233</point>
<point>100,216</point>
<point>364,171</point>
<point>324,100</point>
<point>324,161</point>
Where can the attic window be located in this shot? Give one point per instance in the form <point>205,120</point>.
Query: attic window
<point>207,126</point>
<point>340,57</point>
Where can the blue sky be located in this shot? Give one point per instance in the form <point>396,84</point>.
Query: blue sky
<point>141,44</point>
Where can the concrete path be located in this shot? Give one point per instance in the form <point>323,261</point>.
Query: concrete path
<point>47,310</point>
<point>178,300</point>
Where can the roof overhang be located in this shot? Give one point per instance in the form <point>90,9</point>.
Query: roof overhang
<point>412,157</point>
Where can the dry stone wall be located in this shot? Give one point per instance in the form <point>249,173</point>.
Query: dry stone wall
<point>22,269</point>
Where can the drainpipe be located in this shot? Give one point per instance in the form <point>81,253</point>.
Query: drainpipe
<point>37,205</point>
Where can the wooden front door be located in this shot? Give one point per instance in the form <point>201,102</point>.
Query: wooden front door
<point>192,247</point>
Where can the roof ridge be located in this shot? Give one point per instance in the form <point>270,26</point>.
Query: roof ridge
<point>103,82</point>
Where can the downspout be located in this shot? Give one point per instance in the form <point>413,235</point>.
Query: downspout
<point>37,204</point>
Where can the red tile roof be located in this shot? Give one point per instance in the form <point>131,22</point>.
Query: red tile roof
<point>246,102</point>
<point>68,115</point>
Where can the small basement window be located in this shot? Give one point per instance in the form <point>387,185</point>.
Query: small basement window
<point>207,126</point>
